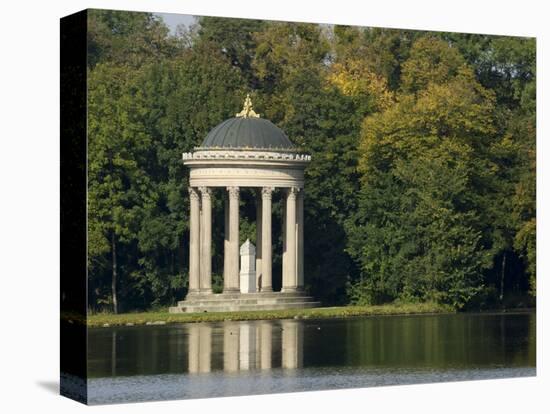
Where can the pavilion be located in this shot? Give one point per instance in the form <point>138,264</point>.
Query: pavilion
<point>246,151</point>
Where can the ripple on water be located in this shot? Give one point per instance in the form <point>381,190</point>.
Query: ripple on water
<point>220,384</point>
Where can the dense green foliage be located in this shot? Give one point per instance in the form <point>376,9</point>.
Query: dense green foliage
<point>422,181</point>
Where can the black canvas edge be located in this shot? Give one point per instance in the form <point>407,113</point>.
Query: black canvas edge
<point>73,202</point>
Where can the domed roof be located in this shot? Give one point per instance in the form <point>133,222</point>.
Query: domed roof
<point>247,130</point>
<point>247,133</point>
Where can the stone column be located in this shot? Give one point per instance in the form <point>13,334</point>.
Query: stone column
<point>206,244</point>
<point>267,249</point>
<point>226,258</point>
<point>201,242</point>
<point>300,239</point>
<point>194,241</point>
<point>232,276</point>
<point>283,231</point>
<point>289,279</point>
<point>259,279</point>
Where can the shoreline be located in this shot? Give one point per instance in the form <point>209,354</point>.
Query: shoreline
<point>163,317</point>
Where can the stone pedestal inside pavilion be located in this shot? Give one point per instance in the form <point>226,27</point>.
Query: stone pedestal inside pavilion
<point>246,152</point>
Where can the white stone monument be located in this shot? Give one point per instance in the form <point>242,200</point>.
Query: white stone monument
<point>248,267</point>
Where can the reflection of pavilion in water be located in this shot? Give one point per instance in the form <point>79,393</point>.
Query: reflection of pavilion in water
<point>246,346</point>
<point>413,342</point>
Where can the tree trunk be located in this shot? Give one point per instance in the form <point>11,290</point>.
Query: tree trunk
<point>114,279</point>
<point>502,277</point>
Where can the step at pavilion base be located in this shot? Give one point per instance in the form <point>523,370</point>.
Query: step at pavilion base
<point>230,302</point>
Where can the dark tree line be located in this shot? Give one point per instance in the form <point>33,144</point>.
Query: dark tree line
<point>422,181</point>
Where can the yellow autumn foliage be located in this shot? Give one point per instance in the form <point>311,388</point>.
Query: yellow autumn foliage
<point>354,78</point>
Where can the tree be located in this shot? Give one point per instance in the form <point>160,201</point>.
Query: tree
<point>418,232</point>
<point>125,38</point>
<point>383,50</point>
<point>117,187</point>
<point>506,65</point>
<point>235,38</point>
<point>522,131</point>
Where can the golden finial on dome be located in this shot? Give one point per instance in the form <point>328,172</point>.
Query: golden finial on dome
<point>247,111</point>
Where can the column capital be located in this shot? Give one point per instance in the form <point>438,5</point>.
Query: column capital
<point>193,193</point>
<point>293,191</point>
<point>205,191</point>
<point>233,192</point>
<point>267,192</point>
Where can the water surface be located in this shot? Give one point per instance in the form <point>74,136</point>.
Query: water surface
<point>146,363</point>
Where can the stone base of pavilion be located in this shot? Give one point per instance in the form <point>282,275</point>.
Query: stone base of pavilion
<point>230,302</point>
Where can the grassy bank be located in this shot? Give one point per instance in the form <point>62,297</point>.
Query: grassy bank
<point>163,317</point>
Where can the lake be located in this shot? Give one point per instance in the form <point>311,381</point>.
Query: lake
<point>149,363</point>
